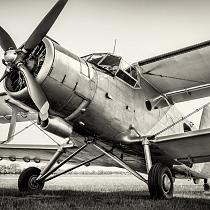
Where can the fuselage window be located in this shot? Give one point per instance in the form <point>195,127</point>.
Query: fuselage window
<point>132,71</point>
<point>186,127</point>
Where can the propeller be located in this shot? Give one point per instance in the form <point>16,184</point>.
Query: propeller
<point>4,76</point>
<point>41,30</point>
<point>15,58</point>
<point>6,41</point>
<point>35,91</point>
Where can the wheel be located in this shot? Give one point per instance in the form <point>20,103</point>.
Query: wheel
<point>27,181</point>
<point>160,182</point>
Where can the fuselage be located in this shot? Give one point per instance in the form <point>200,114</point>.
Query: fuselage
<point>95,101</point>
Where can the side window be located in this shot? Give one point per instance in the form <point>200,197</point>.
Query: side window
<point>126,77</point>
<point>132,71</point>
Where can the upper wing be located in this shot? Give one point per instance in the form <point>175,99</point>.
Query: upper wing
<point>178,76</point>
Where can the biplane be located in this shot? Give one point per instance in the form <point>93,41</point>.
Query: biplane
<point>109,113</point>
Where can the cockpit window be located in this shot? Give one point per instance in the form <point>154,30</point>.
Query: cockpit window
<point>114,65</point>
<point>110,60</point>
<point>94,59</point>
<point>124,66</point>
<point>126,77</point>
<point>128,74</point>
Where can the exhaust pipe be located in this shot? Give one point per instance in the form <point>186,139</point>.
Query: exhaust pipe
<point>57,126</point>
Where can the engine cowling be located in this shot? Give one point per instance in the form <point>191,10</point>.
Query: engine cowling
<point>66,79</point>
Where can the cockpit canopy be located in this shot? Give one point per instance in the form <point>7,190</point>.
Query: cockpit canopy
<point>115,66</point>
<point>104,60</point>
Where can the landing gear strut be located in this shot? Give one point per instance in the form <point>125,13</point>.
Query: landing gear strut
<point>160,180</point>
<point>32,179</point>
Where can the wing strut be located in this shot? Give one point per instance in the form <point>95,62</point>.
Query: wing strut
<point>180,120</point>
<point>12,126</point>
<point>121,163</point>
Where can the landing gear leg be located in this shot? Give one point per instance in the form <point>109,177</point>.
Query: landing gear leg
<point>147,154</point>
<point>32,179</point>
<point>160,180</point>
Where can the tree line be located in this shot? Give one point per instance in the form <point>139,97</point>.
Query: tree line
<point>15,168</point>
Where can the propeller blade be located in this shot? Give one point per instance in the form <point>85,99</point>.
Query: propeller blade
<point>42,29</point>
<point>35,91</point>
<point>4,76</point>
<point>6,41</point>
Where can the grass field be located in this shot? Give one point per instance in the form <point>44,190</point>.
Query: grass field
<point>99,192</point>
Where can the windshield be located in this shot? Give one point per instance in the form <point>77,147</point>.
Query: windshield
<point>105,61</point>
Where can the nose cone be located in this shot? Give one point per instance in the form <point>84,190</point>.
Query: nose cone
<point>10,56</point>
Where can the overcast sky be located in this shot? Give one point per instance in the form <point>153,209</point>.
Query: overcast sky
<point>143,28</point>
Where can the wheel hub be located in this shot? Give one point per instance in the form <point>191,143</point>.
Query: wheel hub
<point>166,183</point>
<point>32,183</point>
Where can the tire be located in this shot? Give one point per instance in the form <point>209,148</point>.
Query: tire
<point>160,182</point>
<point>26,181</point>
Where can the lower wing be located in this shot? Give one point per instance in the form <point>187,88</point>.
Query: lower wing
<point>7,104</point>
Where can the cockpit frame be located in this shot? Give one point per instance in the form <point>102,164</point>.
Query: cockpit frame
<point>114,66</point>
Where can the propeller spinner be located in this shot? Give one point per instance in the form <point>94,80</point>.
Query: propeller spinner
<point>15,58</point>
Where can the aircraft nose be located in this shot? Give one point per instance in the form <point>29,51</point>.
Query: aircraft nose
<point>70,80</point>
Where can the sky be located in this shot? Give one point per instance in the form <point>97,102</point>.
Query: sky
<point>143,28</point>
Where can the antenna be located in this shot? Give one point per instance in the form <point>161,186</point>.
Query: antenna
<point>115,43</point>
